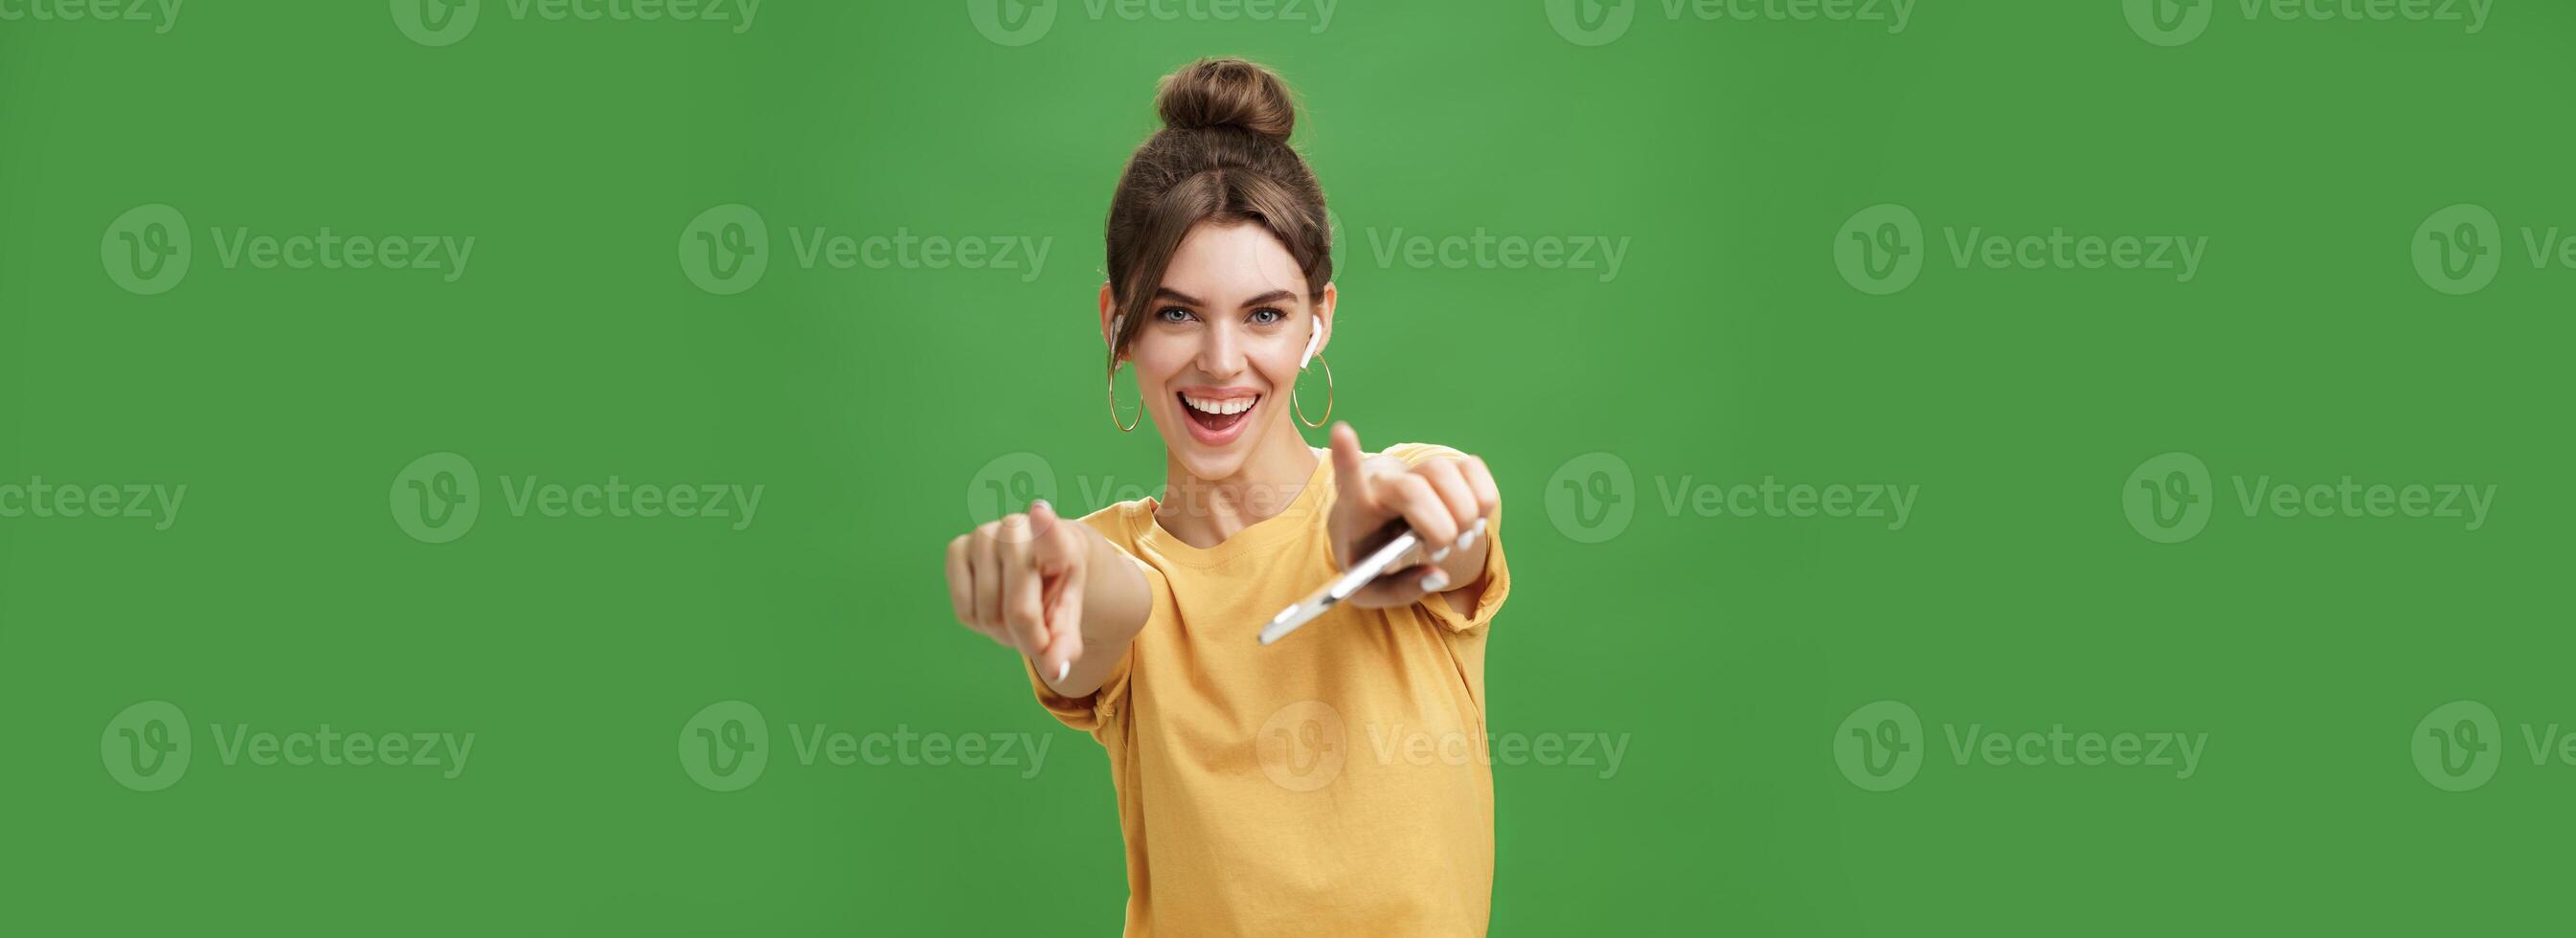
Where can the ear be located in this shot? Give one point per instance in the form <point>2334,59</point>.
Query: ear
<point>1108,312</point>
<point>1323,325</point>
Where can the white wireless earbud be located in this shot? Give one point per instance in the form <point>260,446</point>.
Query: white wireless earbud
<point>1313,339</point>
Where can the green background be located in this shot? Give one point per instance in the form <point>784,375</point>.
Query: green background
<point>869,402</point>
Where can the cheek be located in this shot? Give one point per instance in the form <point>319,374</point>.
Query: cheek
<point>1157,361</point>
<point>1277,362</point>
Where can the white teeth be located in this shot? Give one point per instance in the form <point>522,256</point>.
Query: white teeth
<point>1231,406</point>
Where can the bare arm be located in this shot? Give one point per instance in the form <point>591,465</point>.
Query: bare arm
<point>1116,603</point>
<point>1054,590</point>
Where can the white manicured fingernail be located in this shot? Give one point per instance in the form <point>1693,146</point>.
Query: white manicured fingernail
<point>1436,580</point>
<point>1441,554</point>
<point>1063,669</point>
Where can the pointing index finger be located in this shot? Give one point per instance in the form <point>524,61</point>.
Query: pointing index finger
<point>1346,464</point>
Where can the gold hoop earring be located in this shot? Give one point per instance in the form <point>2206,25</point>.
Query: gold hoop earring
<point>1328,398</point>
<point>1129,427</point>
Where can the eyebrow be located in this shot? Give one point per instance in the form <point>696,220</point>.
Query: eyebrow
<point>1167,293</point>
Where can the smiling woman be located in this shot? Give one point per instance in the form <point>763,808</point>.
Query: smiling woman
<point>1248,804</point>
<point>1221,262</point>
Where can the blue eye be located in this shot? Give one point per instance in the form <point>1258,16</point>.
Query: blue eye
<point>1173,314</point>
<point>1266,316</point>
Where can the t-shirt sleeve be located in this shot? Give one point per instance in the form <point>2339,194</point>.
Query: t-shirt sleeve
<point>1096,711</point>
<point>1497,575</point>
<point>1090,712</point>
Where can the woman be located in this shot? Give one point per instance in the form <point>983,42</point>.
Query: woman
<point>1337,781</point>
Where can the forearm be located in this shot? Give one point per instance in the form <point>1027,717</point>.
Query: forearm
<point>1116,601</point>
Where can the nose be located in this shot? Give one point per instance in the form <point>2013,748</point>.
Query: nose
<point>1221,353</point>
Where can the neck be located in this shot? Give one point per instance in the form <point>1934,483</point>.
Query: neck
<point>1204,512</point>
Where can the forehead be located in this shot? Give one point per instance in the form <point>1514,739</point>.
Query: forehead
<point>1225,263</point>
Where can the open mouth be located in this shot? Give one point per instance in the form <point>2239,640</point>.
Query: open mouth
<point>1217,418</point>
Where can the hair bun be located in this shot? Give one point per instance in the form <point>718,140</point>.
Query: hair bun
<point>1227,93</point>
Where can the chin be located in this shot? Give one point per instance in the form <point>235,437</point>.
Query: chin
<point>1212,462</point>
<point>1212,466</point>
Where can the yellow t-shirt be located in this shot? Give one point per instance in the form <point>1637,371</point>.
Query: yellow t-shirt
<point>1334,783</point>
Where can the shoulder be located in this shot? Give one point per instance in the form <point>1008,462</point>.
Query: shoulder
<point>1119,521</point>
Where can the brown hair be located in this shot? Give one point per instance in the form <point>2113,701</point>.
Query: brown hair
<point>1221,156</point>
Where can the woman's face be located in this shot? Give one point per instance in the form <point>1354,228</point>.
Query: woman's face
<point>1218,355</point>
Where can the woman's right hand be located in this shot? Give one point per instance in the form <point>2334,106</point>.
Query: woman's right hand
<point>1020,580</point>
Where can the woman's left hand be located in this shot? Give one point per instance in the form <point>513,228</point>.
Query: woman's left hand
<point>1440,498</point>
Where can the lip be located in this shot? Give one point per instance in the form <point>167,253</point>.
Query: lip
<point>1213,392</point>
<point>1205,436</point>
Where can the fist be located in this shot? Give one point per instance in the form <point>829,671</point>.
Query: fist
<point>1440,498</point>
<point>1019,582</point>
